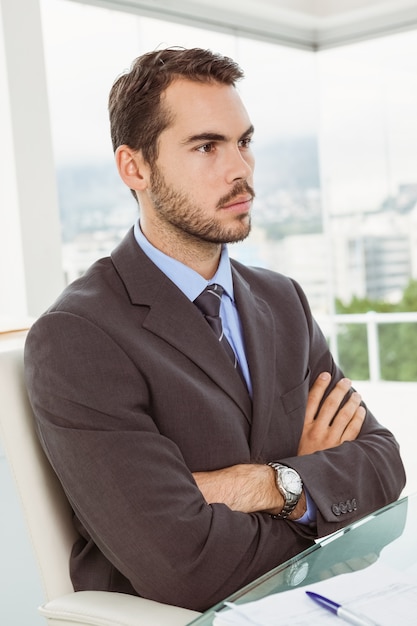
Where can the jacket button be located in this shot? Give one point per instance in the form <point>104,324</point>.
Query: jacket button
<point>336,509</point>
<point>343,507</point>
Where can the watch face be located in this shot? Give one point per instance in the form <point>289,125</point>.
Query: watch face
<point>291,481</point>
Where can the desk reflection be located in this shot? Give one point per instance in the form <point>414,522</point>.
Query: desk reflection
<point>387,535</point>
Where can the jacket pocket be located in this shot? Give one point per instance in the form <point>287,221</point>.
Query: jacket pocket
<point>295,400</point>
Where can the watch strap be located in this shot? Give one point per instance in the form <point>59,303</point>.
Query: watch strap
<point>289,504</point>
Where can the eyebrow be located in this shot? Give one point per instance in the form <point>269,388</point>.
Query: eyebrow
<point>208,136</point>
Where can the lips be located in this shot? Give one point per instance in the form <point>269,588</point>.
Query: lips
<point>238,200</point>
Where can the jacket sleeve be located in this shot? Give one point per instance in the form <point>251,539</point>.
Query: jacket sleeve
<point>357,477</point>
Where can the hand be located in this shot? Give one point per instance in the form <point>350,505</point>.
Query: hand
<point>332,424</point>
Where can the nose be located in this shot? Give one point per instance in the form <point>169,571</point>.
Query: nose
<point>240,164</point>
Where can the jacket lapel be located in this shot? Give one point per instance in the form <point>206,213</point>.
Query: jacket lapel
<point>261,345</point>
<point>176,320</point>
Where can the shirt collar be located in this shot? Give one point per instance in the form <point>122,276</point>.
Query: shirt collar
<point>189,281</point>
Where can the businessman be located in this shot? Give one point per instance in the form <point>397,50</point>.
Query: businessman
<point>189,405</point>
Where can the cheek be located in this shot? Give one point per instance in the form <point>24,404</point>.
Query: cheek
<point>250,160</point>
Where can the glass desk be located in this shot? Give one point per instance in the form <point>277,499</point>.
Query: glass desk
<point>388,535</point>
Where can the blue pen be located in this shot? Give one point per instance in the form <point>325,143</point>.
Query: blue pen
<point>341,612</point>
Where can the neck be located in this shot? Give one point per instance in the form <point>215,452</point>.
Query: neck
<point>201,256</point>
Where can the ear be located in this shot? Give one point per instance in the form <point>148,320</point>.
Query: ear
<point>133,169</point>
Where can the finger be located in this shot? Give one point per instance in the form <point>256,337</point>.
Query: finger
<point>332,405</point>
<point>316,394</point>
<point>347,417</point>
<point>347,408</point>
<point>354,426</point>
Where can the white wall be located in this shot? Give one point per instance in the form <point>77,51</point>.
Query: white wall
<point>30,245</point>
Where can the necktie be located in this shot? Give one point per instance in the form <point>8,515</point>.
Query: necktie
<point>209,304</point>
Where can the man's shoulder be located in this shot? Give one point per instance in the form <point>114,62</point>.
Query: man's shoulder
<point>99,280</point>
<point>278,290</point>
<point>107,279</point>
<point>261,275</point>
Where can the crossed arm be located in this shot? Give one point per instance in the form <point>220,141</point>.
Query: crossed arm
<point>250,488</point>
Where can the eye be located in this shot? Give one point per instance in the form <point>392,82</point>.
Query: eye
<point>206,148</point>
<point>245,143</point>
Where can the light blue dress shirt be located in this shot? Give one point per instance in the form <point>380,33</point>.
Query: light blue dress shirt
<point>192,284</point>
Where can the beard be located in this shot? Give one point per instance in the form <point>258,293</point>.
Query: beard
<point>177,210</point>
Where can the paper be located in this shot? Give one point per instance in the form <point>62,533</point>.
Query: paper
<point>382,594</point>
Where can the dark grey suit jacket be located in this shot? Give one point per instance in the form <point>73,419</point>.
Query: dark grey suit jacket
<point>132,393</point>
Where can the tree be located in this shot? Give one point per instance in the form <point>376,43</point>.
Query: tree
<point>397,342</point>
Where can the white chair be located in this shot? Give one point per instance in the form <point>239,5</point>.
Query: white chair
<point>48,517</point>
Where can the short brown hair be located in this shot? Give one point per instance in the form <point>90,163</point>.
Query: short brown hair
<point>137,116</point>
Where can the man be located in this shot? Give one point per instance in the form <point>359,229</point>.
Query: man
<point>160,439</point>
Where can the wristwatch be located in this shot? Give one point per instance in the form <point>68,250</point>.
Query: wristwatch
<point>290,485</point>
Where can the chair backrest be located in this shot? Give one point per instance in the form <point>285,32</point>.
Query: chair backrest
<point>45,507</point>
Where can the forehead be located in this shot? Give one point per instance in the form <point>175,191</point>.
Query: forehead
<point>196,107</point>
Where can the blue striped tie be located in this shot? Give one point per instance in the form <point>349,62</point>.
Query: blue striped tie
<point>209,304</point>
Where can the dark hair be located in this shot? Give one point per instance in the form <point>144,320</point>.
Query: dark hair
<point>137,116</point>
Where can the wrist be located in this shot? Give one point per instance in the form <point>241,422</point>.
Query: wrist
<point>290,486</point>
<point>300,508</point>
<point>276,500</point>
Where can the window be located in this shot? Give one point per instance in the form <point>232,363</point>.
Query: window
<point>343,225</point>
<point>96,208</point>
<point>368,139</point>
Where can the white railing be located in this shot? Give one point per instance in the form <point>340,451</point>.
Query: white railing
<point>371,320</point>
